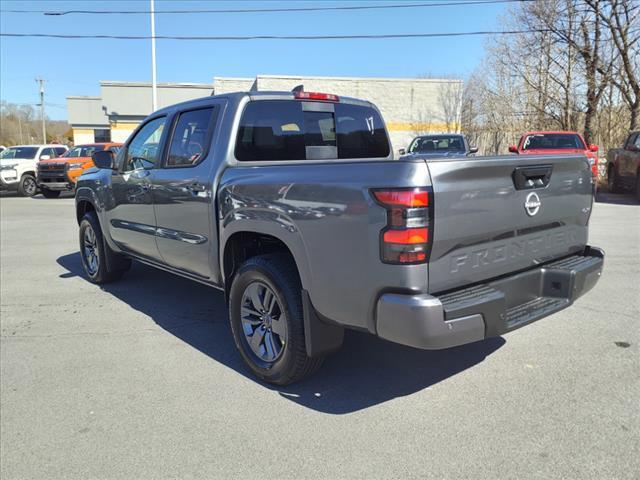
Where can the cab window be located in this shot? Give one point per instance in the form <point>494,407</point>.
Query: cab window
<point>283,130</point>
<point>143,150</point>
<point>190,137</point>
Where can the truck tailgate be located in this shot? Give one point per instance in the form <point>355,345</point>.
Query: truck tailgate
<point>499,215</point>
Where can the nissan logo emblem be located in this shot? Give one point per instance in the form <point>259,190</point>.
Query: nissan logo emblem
<point>532,204</point>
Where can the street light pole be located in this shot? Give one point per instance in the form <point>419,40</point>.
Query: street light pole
<point>154,93</point>
<point>42,117</point>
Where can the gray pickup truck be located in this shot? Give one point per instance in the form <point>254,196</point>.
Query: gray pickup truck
<point>292,204</point>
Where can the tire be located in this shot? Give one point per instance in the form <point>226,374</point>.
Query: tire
<point>46,193</point>
<point>279,355</point>
<point>96,255</point>
<point>612,180</point>
<point>27,186</point>
<point>638,186</point>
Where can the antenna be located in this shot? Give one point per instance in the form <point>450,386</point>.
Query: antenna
<point>299,88</point>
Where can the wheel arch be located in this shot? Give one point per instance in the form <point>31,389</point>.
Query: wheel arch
<point>240,245</point>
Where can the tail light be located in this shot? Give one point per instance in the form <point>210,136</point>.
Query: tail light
<point>593,162</point>
<point>323,97</point>
<point>407,237</point>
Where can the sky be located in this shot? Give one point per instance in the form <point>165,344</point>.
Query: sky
<point>75,67</point>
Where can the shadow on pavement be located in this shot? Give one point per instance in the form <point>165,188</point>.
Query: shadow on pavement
<point>367,371</point>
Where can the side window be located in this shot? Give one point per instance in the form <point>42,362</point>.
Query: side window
<point>48,151</point>
<point>60,151</point>
<point>637,141</point>
<point>115,149</point>
<point>271,130</point>
<point>190,137</point>
<point>143,150</point>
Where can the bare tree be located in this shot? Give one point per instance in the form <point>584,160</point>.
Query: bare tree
<point>621,19</point>
<point>450,102</point>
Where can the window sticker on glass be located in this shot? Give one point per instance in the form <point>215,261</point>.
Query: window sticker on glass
<point>370,126</point>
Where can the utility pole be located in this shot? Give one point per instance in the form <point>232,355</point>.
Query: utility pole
<point>154,94</point>
<point>44,128</point>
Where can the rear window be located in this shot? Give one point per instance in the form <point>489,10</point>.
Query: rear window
<point>280,130</point>
<point>553,141</point>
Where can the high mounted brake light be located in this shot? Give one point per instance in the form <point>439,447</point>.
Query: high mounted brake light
<point>406,239</point>
<point>322,97</point>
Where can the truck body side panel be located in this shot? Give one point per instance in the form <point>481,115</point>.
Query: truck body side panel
<point>326,216</point>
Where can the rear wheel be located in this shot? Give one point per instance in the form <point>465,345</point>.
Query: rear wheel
<point>46,193</point>
<point>27,186</point>
<point>638,186</point>
<point>265,311</point>
<point>96,255</point>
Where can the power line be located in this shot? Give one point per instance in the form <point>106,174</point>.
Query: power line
<point>278,37</point>
<point>268,10</point>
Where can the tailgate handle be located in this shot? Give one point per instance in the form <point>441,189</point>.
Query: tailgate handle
<point>536,176</point>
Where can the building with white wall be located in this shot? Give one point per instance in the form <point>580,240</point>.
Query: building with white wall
<point>409,106</point>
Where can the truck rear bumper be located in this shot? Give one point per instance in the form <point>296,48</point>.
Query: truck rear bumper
<point>490,309</point>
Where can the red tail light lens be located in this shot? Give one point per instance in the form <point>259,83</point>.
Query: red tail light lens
<point>322,97</point>
<point>416,197</point>
<point>406,238</point>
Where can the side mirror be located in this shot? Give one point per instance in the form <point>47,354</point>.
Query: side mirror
<point>104,159</point>
<point>513,149</point>
<point>473,149</point>
<point>402,151</point>
<point>593,147</point>
<point>45,157</point>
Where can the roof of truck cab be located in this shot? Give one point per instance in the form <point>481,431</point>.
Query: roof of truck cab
<point>39,145</point>
<point>551,132</point>
<point>266,95</point>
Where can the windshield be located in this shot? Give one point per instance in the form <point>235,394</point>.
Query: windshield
<point>19,152</point>
<point>83,151</point>
<point>553,141</point>
<point>437,143</point>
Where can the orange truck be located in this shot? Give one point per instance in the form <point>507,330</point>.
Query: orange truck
<point>61,173</point>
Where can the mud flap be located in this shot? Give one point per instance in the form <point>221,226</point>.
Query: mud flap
<point>320,337</point>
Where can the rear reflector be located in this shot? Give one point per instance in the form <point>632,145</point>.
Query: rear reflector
<point>413,198</point>
<point>323,97</point>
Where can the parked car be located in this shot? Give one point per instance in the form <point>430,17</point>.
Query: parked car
<point>60,174</point>
<point>293,206</point>
<point>443,145</point>
<point>623,166</point>
<point>555,143</point>
<point>18,166</point>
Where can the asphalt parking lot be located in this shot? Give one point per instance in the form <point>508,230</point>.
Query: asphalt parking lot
<point>140,379</point>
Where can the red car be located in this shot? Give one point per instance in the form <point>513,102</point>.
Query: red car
<point>550,143</point>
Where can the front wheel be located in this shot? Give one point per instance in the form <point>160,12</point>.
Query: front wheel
<point>27,186</point>
<point>265,311</point>
<point>96,255</point>
<point>638,186</point>
<point>46,193</point>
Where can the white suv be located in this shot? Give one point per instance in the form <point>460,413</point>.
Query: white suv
<point>18,166</point>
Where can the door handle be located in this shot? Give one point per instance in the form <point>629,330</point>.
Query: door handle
<point>196,188</point>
